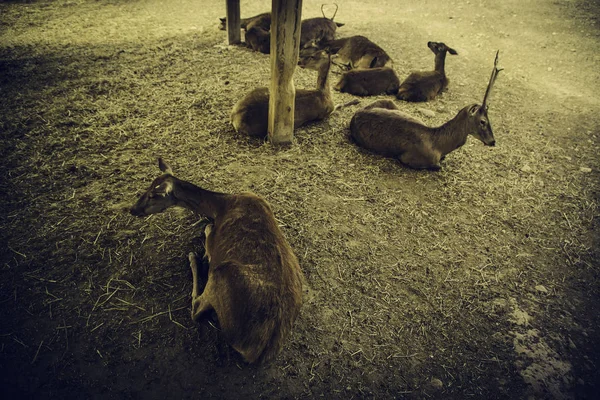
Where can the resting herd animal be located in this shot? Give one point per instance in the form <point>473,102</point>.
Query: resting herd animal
<point>249,275</point>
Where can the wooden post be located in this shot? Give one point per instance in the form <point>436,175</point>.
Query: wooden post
<point>285,40</point>
<point>233,21</point>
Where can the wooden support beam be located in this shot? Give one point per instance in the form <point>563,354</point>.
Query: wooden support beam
<point>285,40</point>
<point>233,21</point>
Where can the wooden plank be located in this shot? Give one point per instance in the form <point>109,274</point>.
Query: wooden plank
<point>285,40</point>
<point>233,21</point>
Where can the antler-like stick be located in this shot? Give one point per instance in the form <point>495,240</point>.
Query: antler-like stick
<point>492,80</point>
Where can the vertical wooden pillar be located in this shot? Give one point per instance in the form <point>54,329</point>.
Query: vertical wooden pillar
<point>285,40</point>
<point>233,21</point>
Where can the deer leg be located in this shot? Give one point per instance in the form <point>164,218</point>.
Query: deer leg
<point>194,268</point>
<point>421,161</point>
<point>207,241</point>
<point>200,304</point>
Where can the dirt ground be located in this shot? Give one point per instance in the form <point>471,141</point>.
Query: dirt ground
<point>477,281</point>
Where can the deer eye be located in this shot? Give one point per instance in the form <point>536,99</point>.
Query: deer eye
<point>483,122</point>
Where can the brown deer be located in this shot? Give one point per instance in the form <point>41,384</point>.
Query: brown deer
<point>319,29</point>
<point>258,36</point>
<point>258,30</point>
<point>383,129</point>
<point>251,113</point>
<point>352,52</point>
<point>426,85</point>
<point>264,18</point>
<point>369,82</point>
<point>254,281</point>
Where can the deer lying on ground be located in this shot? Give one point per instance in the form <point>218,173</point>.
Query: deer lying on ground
<point>319,28</point>
<point>250,114</point>
<point>426,85</point>
<point>258,35</point>
<point>258,30</point>
<point>244,22</point>
<point>383,129</point>
<point>254,281</point>
<point>369,82</point>
<point>352,52</point>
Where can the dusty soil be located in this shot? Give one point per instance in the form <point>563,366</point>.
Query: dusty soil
<point>481,280</point>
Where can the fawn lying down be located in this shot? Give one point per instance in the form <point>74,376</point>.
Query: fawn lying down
<point>426,85</point>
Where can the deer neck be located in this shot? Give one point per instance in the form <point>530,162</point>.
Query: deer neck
<point>453,134</point>
<point>323,79</point>
<point>198,200</point>
<point>440,62</point>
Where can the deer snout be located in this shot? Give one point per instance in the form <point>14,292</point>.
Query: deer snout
<point>492,143</point>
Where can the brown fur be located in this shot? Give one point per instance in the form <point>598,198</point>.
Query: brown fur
<point>383,129</point>
<point>254,280</point>
<point>258,26</point>
<point>356,52</point>
<point>426,85</point>
<point>251,113</point>
<point>317,29</point>
<point>263,20</point>
<point>369,82</point>
<point>258,38</point>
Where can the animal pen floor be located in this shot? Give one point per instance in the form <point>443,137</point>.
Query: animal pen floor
<point>478,281</point>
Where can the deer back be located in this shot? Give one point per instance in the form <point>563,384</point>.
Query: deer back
<point>360,52</point>
<point>369,82</point>
<point>259,277</point>
<point>311,105</point>
<point>263,19</point>
<point>250,115</point>
<point>422,86</point>
<point>387,132</point>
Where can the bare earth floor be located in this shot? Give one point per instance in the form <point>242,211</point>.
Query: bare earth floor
<point>477,281</point>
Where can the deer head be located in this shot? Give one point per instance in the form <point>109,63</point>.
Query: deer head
<point>478,115</point>
<point>159,195</point>
<point>438,47</point>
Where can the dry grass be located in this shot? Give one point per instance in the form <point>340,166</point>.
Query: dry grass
<point>409,275</point>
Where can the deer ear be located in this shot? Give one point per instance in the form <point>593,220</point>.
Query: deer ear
<point>474,109</point>
<point>164,167</point>
<point>452,51</point>
<point>339,24</point>
<point>223,19</point>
